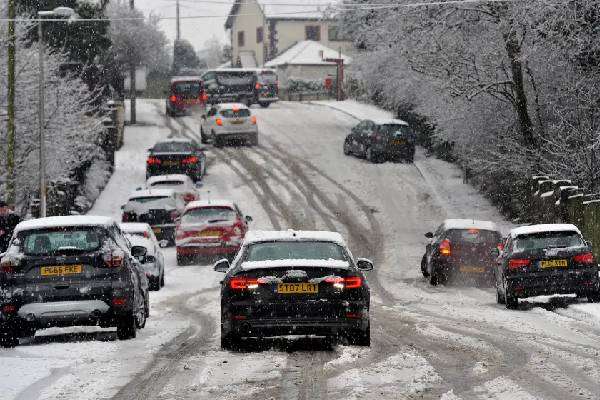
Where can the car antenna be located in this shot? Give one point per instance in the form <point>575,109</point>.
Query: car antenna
<point>208,197</point>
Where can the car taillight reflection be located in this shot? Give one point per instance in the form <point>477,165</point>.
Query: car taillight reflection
<point>173,99</point>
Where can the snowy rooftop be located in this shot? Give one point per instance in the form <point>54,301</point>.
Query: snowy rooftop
<point>57,222</point>
<point>294,263</point>
<point>185,78</point>
<point>532,229</point>
<point>134,226</point>
<point>307,52</point>
<point>470,224</point>
<point>210,203</point>
<point>286,9</point>
<point>270,236</point>
<point>151,193</point>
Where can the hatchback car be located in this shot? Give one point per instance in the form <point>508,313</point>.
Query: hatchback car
<point>67,271</point>
<point>176,156</point>
<point>182,184</point>
<point>461,248</point>
<point>546,260</point>
<point>294,283</point>
<point>159,208</point>
<point>186,95</point>
<point>210,228</point>
<point>380,140</point>
<point>230,121</point>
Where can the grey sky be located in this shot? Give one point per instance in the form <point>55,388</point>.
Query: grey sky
<point>197,31</point>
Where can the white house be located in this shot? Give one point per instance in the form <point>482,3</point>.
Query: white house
<point>260,30</point>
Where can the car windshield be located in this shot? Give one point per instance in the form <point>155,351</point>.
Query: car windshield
<point>396,131</point>
<point>235,78</point>
<point>474,236</point>
<point>51,241</point>
<point>240,113</point>
<point>208,215</point>
<point>187,88</point>
<point>295,250</point>
<point>173,147</point>
<point>548,240</point>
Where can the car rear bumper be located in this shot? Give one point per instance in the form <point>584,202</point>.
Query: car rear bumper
<point>193,171</point>
<point>284,326</point>
<point>191,250</point>
<point>566,283</point>
<point>232,135</point>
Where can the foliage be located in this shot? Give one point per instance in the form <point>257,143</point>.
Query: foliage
<point>184,56</point>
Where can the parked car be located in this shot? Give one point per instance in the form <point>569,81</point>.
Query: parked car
<point>153,263</point>
<point>461,248</point>
<point>380,140</point>
<point>229,121</point>
<point>545,260</point>
<point>183,185</point>
<point>176,156</point>
<point>186,94</point>
<point>159,208</point>
<point>8,220</point>
<point>230,85</point>
<point>294,283</point>
<point>266,87</point>
<point>67,271</point>
<point>210,228</point>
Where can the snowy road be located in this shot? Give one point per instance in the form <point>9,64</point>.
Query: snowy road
<point>442,342</point>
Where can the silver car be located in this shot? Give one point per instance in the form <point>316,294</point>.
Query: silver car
<point>229,121</point>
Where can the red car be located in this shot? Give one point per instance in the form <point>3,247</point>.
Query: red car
<point>210,228</point>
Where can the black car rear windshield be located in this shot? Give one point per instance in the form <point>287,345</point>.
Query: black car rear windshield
<point>173,147</point>
<point>548,240</point>
<point>208,215</point>
<point>187,88</point>
<point>53,241</point>
<point>474,236</point>
<point>295,250</point>
<point>241,113</point>
<point>397,131</point>
<point>235,78</point>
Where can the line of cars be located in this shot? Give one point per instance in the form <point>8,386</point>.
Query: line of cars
<point>533,260</point>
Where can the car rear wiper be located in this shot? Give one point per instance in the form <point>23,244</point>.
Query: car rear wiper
<point>212,221</point>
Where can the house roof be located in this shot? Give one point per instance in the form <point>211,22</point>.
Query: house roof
<point>286,9</point>
<point>307,52</point>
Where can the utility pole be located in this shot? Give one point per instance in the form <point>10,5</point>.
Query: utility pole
<point>42,139</point>
<point>10,139</point>
<point>178,22</point>
<point>132,83</point>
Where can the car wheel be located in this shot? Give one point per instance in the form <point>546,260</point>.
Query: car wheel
<point>424,266</point>
<point>154,284</point>
<point>140,321</point>
<point>218,141</point>
<point>162,280</point>
<point>181,260</point>
<point>512,303</point>
<point>347,149</point>
<point>8,337</point>
<point>126,327</point>
<point>264,104</point>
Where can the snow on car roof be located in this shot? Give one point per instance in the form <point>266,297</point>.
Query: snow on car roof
<point>231,106</point>
<point>134,226</point>
<point>210,203</point>
<point>289,235</point>
<point>533,229</point>
<point>393,121</point>
<point>470,224</point>
<point>151,193</point>
<point>140,241</point>
<point>175,140</point>
<point>60,221</point>
<point>185,78</point>
<point>248,265</point>
<point>171,177</point>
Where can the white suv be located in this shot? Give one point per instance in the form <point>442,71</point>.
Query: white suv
<point>229,121</point>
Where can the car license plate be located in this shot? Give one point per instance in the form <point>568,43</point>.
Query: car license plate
<point>554,264</point>
<point>293,288</point>
<point>237,121</point>
<point>398,141</point>
<point>477,270</point>
<point>60,270</point>
<point>170,163</point>
<point>156,230</point>
<point>209,233</point>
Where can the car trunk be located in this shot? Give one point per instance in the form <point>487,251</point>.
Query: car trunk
<point>471,250</point>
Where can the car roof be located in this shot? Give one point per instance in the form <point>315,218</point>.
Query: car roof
<point>470,224</point>
<point>391,121</point>
<point>140,241</point>
<point>175,140</point>
<point>210,203</point>
<point>134,226</point>
<point>151,193</point>
<point>291,235</point>
<point>66,221</point>
<point>171,177</point>
<point>230,106</point>
<point>540,228</point>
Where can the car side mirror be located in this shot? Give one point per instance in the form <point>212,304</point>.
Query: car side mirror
<point>138,251</point>
<point>163,244</point>
<point>429,235</point>
<point>249,218</point>
<point>364,264</point>
<point>122,206</point>
<point>222,265</point>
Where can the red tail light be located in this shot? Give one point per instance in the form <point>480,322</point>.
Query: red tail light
<point>7,269</point>
<point>190,160</point>
<point>119,301</point>
<point>253,119</point>
<point>113,259</point>
<point>146,234</point>
<point>517,263</point>
<point>445,248</point>
<point>153,161</point>
<point>584,258</point>
<point>257,86</point>
<point>243,283</point>
<point>9,309</point>
<point>350,282</point>
<point>173,99</point>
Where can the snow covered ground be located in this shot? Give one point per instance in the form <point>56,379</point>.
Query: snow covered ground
<point>428,342</point>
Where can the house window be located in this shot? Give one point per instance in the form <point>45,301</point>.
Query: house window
<point>313,32</point>
<point>259,34</point>
<point>333,33</point>
<point>241,38</point>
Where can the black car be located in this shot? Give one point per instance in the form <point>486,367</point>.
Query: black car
<point>176,156</point>
<point>67,271</point>
<point>294,283</point>
<point>546,260</point>
<point>461,249</point>
<point>381,140</point>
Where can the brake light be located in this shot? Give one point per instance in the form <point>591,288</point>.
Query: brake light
<point>350,282</point>
<point>253,119</point>
<point>257,86</point>
<point>584,258</point>
<point>219,122</point>
<point>9,309</point>
<point>173,99</point>
<point>113,259</point>
<point>204,97</point>
<point>119,301</point>
<point>190,160</point>
<point>243,283</point>
<point>153,161</point>
<point>517,263</point>
<point>445,249</point>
